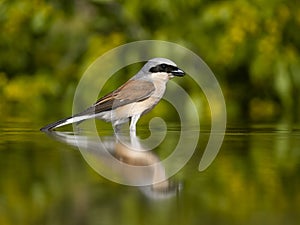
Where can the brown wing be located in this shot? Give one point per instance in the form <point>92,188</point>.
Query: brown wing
<point>131,91</point>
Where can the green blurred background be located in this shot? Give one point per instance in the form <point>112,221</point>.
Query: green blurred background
<point>251,46</point>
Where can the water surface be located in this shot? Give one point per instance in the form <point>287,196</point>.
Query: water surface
<point>254,179</point>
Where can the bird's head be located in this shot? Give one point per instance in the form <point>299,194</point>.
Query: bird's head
<point>162,67</point>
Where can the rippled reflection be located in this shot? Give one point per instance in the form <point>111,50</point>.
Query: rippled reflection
<point>145,166</point>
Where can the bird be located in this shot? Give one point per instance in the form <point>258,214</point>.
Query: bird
<point>131,100</point>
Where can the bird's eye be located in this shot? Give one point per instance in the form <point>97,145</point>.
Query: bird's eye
<point>160,68</point>
<point>163,66</point>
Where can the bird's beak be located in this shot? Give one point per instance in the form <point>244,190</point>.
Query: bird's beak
<point>178,72</point>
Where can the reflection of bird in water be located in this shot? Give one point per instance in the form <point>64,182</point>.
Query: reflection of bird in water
<point>123,162</point>
<point>161,186</point>
<point>133,99</point>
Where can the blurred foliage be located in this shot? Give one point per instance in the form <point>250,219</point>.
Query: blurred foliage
<point>252,47</point>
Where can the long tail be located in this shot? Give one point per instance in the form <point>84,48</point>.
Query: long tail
<point>66,121</point>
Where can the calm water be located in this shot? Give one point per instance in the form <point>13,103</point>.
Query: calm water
<point>255,179</point>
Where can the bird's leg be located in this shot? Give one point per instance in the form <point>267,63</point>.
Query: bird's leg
<point>133,122</point>
<point>133,138</point>
<point>117,128</point>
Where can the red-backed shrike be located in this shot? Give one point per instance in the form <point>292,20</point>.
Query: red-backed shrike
<point>133,99</point>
